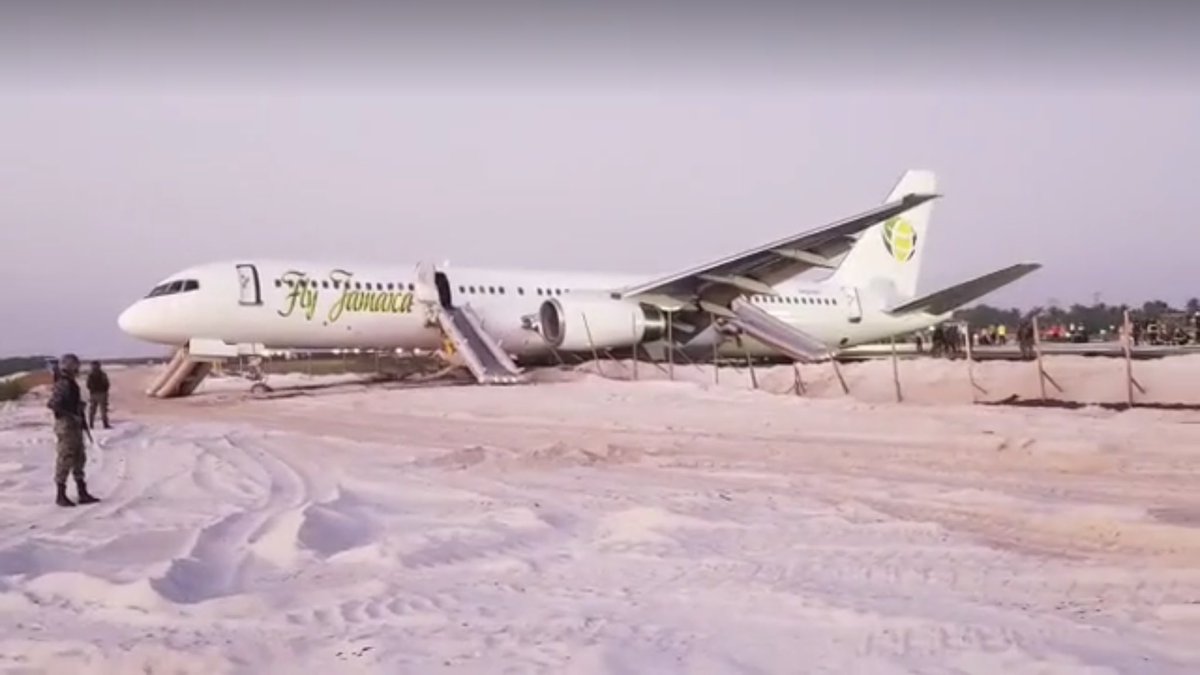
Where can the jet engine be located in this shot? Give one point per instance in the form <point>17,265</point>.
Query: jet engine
<point>567,322</point>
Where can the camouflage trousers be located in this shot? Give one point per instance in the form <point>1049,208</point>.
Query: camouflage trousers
<point>71,455</point>
<point>98,400</point>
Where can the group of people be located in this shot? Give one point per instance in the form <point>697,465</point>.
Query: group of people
<point>992,335</point>
<point>949,340</point>
<point>71,420</point>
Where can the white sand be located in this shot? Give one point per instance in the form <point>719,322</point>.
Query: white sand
<point>597,526</point>
<point>936,381</point>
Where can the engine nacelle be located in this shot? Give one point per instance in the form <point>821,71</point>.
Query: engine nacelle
<point>567,322</point>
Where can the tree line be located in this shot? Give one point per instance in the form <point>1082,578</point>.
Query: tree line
<point>1094,318</point>
<point>21,364</point>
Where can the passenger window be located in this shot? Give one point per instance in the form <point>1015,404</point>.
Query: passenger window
<point>520,291</point>
<point>501,290</point>
<point>278,283</point>
<point>492,290</point>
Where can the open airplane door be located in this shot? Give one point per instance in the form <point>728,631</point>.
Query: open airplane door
<point>426,291</point>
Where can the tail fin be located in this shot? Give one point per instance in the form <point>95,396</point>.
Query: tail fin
<point>887,257</point>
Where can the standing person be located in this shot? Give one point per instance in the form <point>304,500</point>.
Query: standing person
<point>67,404</point>
<point>1025,339</point>
<point>97,384</point>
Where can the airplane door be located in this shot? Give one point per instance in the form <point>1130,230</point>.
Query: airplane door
<point>853,304</point>
<point>427,290</point>
<point>249,289</point>
<point>445,299</point>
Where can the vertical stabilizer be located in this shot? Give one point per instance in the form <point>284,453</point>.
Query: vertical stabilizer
<point>887,257</point>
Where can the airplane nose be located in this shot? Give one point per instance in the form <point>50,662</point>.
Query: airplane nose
<point>132,321</point>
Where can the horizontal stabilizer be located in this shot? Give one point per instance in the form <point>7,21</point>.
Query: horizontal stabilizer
<point>949,299</point>
<point>777,334</point>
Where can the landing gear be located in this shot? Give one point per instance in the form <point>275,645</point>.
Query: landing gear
<point>254,373</point>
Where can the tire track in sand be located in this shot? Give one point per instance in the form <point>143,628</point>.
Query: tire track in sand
<point>224,557</point>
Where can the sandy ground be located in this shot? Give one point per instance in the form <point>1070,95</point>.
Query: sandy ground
<point>587,525</point>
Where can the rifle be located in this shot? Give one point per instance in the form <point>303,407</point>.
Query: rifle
<point>87,428</point>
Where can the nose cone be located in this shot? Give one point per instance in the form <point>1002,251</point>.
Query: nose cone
<point>134,322</point>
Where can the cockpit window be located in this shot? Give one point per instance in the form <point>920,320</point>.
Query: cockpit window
<point>173,287</point>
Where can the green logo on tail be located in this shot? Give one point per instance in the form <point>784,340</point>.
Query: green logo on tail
<point>900,239</point>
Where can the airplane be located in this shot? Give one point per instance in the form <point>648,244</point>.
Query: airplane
<point>500,320</point>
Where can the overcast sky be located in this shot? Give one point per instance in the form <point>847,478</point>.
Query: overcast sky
<point>137,142</point>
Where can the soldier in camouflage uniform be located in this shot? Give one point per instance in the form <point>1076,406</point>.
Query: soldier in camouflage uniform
<point>66,402</point>
<point>98,385</point>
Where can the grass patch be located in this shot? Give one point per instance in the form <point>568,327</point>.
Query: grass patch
<point>11,390</point>
<point>15,388</point>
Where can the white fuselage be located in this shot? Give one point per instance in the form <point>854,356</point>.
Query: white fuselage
<point>306,305</point>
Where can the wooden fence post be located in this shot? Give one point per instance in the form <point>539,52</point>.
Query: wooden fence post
<point>636,348</point>
<point>1127,343</point>
<point>1043,376</point>
<point>975,388</point>
<point>838,371</point>
<point>671,344</point>
<point>896,371</point>
<point>595,354</point>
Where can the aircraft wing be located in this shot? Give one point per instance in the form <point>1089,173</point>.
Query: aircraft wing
<point>757,269</point>
<point>949,299</point>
